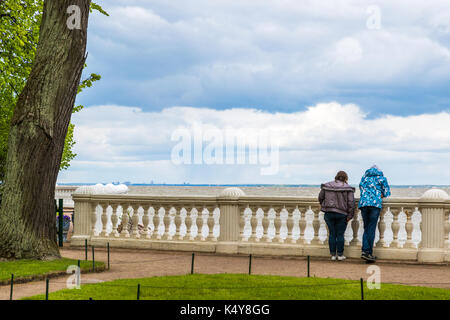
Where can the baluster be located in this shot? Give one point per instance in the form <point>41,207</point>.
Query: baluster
<point>381,228</point>
<point>253,225</point>
<point>135,222</point>
<point>290,226</point>
<point>182,225</point>
<point>324,225</point>
<point>169,221</point>
<point>316,226</point>
<point>241,223</point>
<point>259,226</point>
<point>277,226</point>
<point>284,215</point>
<point>210,224</point>
<point>296,215</point>
<point>200,226</point>
<point>216,226</point>
<point>244,222</point>
<point>409,229</point>
<point>161,224</point>
<point>420,229</point>
<point>265,223</point>
<point>302,226</point>
<point>156,221</point>
<point>271,214</point>
<point>104,218</point>
<point>114,220</point>
<point>188,222</point>
<point>94,218</point>
<point>125,220</point>
<point>146,221</point>
<point>204,224</point>
<point>193,228</point>
<point>395,228</point>
<point>348,231</point>
<point>177,223</point>
<point>355,229</point>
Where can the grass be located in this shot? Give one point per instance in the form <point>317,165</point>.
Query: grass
<point>242,287</point>
<point>29,270</point>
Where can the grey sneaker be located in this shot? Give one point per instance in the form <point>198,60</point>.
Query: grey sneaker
<point>341,258</point>
<point>368,257</point>
<point>333,258</point>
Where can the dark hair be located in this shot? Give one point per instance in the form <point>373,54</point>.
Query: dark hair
<point>341,176</point>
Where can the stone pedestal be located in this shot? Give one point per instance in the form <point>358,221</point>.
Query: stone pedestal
<point>432,206</point>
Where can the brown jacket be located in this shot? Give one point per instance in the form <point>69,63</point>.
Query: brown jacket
<point>337,196</point>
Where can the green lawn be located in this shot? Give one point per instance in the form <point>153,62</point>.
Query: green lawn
<point>28,270</point>
<point>242,287</point>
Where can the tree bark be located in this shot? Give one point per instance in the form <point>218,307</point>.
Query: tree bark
<point>36,139</point>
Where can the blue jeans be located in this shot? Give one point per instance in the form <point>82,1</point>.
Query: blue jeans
<point>337,223</point>
<point>370,217</point>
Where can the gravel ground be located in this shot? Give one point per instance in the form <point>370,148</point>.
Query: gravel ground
<point>148,263</point>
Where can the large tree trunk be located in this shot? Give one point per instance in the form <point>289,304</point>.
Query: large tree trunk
<point>36,139</point>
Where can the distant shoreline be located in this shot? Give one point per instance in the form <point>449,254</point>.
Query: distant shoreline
<point>420,186</point>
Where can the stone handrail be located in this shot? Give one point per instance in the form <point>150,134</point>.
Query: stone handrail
<point>409,228</point>
<point>65,193</point>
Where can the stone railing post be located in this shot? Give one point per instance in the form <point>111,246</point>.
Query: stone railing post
<point>83,215</point>
<point>432,205</point>
<point>229,219</point>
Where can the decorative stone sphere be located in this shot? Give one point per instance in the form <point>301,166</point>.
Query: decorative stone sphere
<point>232,192</point>
<point>121,188</point>
<point>435,194</point>
<point>102,189</point>
<point>110,188</point>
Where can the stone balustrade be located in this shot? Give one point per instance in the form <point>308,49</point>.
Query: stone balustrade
<point>414,229</point>
<point>65,193</point>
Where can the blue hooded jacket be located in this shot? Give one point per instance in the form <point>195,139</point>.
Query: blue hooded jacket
<point>373,185</point>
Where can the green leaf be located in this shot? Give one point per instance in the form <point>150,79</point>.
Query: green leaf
<point>97,7</point>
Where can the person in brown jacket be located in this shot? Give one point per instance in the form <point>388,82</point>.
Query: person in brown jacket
<point>338,203</point>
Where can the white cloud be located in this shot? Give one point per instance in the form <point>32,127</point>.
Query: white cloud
<point>289,35</point>
<point>125,141</point>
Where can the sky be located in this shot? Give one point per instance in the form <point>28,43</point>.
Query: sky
<point>311,87</point>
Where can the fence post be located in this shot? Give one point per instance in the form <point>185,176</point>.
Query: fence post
<point>79,273</point>
<point>250,265</point>
<point>138,291</point>
<point>192,263</point>
<point>108,255</point>
<point>60,222</point>
<point>93,259</point>
<point>46,288</point>
<point>12,287</point>
<point>308,265</point>
<point>362,289</point>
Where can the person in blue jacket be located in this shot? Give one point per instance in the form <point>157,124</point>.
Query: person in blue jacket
<point>373,187</point>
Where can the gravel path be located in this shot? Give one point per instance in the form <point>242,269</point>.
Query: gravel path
<point>148,263</point>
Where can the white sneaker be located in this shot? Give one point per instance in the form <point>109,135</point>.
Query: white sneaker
<point>340,258</point>
<point>333,258</point>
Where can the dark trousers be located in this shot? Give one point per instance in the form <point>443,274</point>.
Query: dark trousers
<point>370,217</point>
<point>337,223</point>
